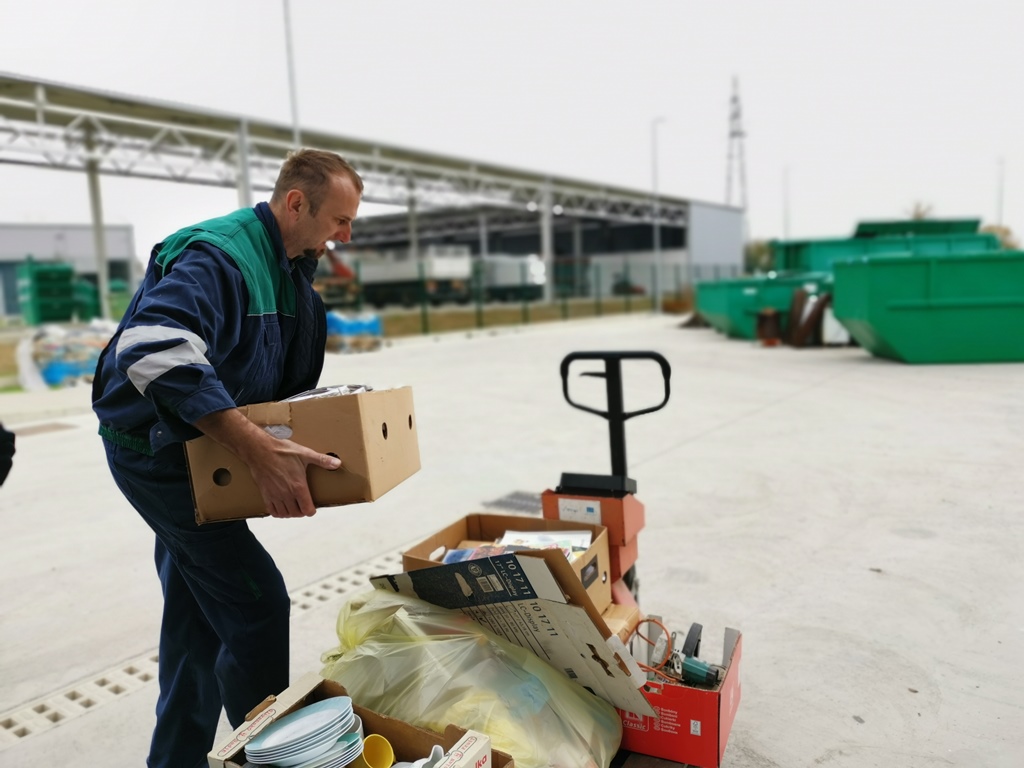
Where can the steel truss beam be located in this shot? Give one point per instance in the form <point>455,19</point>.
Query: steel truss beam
<point>56,126</point>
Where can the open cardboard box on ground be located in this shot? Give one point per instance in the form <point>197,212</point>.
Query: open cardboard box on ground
<point>535,600</point>
<point>409,742</point>
<point>373,433</point>
<point>591,568</point>
<point>693,723</point>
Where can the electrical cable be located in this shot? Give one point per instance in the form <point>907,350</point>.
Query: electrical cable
<point>668,648</point>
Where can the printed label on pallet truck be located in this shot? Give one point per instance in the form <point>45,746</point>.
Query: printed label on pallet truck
<point>580,510</point>
<point>519,599</point>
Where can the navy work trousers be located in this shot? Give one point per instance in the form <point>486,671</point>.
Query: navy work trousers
<point>224,634</point>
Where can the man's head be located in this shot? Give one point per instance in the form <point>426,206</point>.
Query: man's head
<point>315,199</point>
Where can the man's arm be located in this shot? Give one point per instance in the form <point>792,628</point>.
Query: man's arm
<point>278,466</point>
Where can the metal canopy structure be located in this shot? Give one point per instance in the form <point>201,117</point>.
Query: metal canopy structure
<point>59,126</point>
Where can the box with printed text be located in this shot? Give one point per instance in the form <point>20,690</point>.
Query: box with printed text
<point>591,567</point>
<point>693,723</point>
<point>533,599</point>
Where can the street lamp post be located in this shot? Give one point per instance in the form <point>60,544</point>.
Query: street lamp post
<point>656,211</point>
<point>291,76</point>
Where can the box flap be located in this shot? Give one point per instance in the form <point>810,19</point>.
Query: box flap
<point>262,716</point>
<point>534,600</point>
<point>268,414</point>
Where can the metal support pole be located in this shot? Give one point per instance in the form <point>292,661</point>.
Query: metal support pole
<point>482,220</point>
<point>296,138</point>
<point>547,238</point>
<point>478,291</point>
<point>244,179</point>
<point>522,293</point>
<point>577,258</point>
<point>424,313</point>
<point>655,205</point>
<point>414,232</point>
<point>98,234</point>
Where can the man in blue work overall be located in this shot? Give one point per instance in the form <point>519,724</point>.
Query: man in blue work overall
<point>226,316</point>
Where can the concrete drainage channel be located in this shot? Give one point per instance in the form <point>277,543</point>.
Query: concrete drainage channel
<point>41,715</point>
<point>55,709</point>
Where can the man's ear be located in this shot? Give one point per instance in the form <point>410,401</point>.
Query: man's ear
<point>293,202</point>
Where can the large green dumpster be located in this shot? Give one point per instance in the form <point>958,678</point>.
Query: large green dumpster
<point>732,306</point>
<point>964,308</point>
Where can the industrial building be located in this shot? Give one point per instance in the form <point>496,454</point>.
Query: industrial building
<point>652,241</point>
<point>72,244</point>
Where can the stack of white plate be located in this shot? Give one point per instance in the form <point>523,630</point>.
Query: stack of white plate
<point>316,736</point>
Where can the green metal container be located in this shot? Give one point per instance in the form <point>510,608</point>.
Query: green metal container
<point>87,301</point>
<point>917,227</point>
<point>713,301</point>
<point>732,306</point>
<point>964,308</point>
<point>46,292</point>
<point>820,255</point>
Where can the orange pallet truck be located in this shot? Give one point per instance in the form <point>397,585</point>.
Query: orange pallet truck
<point>608,500</point>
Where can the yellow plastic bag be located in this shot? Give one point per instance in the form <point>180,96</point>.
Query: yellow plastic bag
<point>432,666</point>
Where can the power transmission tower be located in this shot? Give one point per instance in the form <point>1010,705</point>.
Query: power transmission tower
<point>736,162</point>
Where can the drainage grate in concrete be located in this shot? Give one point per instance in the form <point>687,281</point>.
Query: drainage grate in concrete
<point>355,579</point>
<point>55,709</point>
<point>523,502</point>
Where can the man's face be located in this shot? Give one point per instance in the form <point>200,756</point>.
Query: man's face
<point>333,220</point>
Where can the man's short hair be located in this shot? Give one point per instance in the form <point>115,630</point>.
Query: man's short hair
<point>311,170</point>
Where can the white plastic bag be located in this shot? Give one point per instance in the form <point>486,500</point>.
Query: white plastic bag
<point>432,666</point>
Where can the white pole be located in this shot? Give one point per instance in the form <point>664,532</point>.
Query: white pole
<point>291,76</point>
<point>656,212</point>
<point>999,191</point>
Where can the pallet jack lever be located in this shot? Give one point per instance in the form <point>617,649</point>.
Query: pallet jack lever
<point>618,482</point>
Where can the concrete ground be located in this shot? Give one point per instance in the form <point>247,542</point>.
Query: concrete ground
<point>859,520</point>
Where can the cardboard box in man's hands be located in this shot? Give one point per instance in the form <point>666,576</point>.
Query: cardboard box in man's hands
<point>373,433</point>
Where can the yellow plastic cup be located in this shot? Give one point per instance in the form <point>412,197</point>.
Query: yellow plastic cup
<point>377,753</point>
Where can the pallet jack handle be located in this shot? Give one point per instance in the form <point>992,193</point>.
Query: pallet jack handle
<point>615,414</point>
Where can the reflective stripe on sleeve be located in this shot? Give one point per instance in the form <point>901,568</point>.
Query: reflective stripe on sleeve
<point>151,367</point>
<point>141,333</point>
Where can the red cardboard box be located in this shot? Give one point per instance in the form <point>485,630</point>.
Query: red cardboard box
<point>693,724</point>
<point>622,517</point>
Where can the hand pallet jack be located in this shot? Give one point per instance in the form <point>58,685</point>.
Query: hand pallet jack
<point>608,500</point>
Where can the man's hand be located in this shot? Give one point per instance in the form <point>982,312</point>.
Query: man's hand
<point>277,466</point>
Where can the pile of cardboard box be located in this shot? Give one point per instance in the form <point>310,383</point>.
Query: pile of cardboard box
<point>579,615</point>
